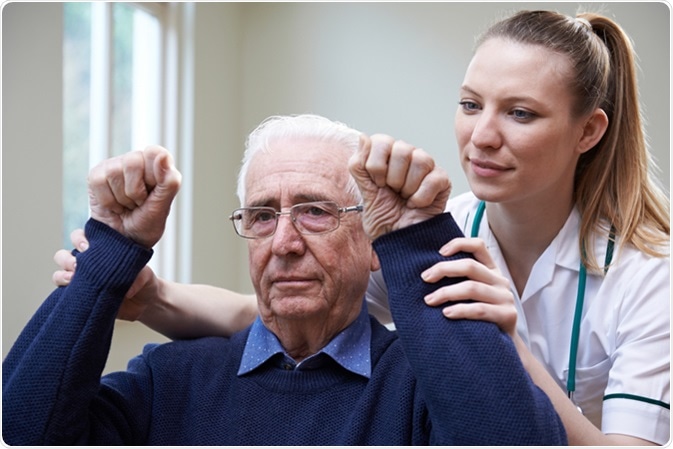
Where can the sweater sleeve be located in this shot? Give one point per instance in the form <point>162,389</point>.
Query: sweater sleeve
<point>52,373</point>
<point>475,386</point>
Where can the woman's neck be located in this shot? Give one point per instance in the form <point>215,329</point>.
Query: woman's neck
<point>523,231</point>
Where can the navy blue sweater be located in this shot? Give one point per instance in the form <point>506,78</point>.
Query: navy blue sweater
<point>434,382</point>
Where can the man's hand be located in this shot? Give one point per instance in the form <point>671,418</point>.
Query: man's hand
<point>400,184</point>
<point>132,193</point>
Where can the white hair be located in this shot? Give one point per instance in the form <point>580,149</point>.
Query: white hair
<point>299,126</point>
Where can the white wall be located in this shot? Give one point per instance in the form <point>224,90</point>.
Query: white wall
<point>31,154</point>
<point>397,67</point>
<point>380,67</point>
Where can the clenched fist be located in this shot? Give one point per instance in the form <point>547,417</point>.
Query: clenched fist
<point>132,193</point>
<point>400,184</point>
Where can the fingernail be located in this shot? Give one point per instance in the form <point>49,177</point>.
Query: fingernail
<point>428,298</point>
<point>83,246</point>
<point>425,275</point>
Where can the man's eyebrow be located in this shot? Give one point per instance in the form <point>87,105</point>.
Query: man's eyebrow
<point>296,199</point>
<point>263,202</point>
<point>310,198</point>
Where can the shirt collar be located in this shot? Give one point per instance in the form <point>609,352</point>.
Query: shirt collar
<point>567,244</point>
<point>351,348</point>
<point>563,251</point>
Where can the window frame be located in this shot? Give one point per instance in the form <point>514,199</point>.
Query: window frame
<point>175,121</point>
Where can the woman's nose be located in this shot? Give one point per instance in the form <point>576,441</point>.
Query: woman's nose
<point>486,131</point>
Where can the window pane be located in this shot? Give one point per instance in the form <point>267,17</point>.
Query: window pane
<point>76,85</point>
<point>135,108</point>
<point>123,113</point>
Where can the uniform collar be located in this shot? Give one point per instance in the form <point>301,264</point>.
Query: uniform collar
<point>566,244</point>
<point>563,251</point>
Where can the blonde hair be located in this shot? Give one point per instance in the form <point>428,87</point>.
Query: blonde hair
<point>613,185</point>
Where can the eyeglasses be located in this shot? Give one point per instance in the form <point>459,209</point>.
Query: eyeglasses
<point>318,217</point>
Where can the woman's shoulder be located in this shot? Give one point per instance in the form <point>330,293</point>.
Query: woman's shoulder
<point>628,256</point>
<point>638,274</point>
<point>630,259</point>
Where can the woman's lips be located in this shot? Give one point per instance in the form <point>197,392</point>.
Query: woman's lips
<point>487,169</point>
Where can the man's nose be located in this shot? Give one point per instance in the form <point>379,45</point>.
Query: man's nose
<point>287,239</point>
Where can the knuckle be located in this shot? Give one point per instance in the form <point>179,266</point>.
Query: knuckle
<point>423,159</point>
<point>471,289</point>
<point>403,150</point>
<point>480,310</point>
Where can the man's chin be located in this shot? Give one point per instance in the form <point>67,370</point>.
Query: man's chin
<point>297,307</point>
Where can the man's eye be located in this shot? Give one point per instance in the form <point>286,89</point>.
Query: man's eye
<point>264,216</point>
<point>315,211</point>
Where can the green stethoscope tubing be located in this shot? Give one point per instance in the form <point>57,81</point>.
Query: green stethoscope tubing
<point>579,302</point>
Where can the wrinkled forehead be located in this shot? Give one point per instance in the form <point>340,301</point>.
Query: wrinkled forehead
<point>294,170</point>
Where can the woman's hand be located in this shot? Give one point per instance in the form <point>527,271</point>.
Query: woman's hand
<point>178,311</point>
<point>485,285</point>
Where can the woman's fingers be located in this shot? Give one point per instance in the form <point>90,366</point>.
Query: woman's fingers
<point>483,294</point>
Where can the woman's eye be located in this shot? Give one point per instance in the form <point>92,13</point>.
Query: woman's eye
<point>469,105</point>
<point>521,114</point>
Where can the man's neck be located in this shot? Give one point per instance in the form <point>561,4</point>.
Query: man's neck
<point>303,337</point>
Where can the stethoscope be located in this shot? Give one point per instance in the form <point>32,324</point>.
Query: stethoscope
<point>579,302</point>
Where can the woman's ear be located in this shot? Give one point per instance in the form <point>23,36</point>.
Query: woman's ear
<point>594,129</point>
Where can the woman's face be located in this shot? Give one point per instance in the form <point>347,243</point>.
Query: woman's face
<point>517,137</point>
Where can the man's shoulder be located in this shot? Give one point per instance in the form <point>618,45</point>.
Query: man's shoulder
<point>385,343</point>
<point>203,350</point>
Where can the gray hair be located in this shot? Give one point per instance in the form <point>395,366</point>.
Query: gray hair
<point>304,125</point>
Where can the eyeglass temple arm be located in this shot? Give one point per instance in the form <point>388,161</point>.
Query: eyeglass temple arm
<point>358,208</point>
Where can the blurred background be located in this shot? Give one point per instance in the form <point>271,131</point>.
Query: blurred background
<point>85,81</point>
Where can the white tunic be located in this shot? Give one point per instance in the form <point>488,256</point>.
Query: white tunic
<point>623,360</point>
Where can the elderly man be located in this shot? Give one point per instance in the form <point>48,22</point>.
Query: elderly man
<point>314,368</point>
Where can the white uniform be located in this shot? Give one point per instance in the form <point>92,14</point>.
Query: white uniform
<point>623,360</point>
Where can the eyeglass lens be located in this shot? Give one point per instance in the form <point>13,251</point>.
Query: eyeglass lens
<point>310,218</point>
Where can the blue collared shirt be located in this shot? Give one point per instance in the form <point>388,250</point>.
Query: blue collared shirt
<point>351,348</point>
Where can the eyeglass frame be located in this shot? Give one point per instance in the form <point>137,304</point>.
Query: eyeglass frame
<point>340,210</point>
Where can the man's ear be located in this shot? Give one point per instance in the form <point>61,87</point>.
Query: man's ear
<point>375,264</point>
<point>594,129</point>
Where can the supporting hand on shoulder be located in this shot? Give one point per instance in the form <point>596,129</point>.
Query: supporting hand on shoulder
<point>489,291</point>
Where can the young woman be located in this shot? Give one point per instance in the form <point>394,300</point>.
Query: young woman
<point>562,208</point>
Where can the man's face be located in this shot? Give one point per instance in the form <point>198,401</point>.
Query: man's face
<point>299,276</point>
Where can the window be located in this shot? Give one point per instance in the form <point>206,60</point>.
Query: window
<point>114,95</point>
